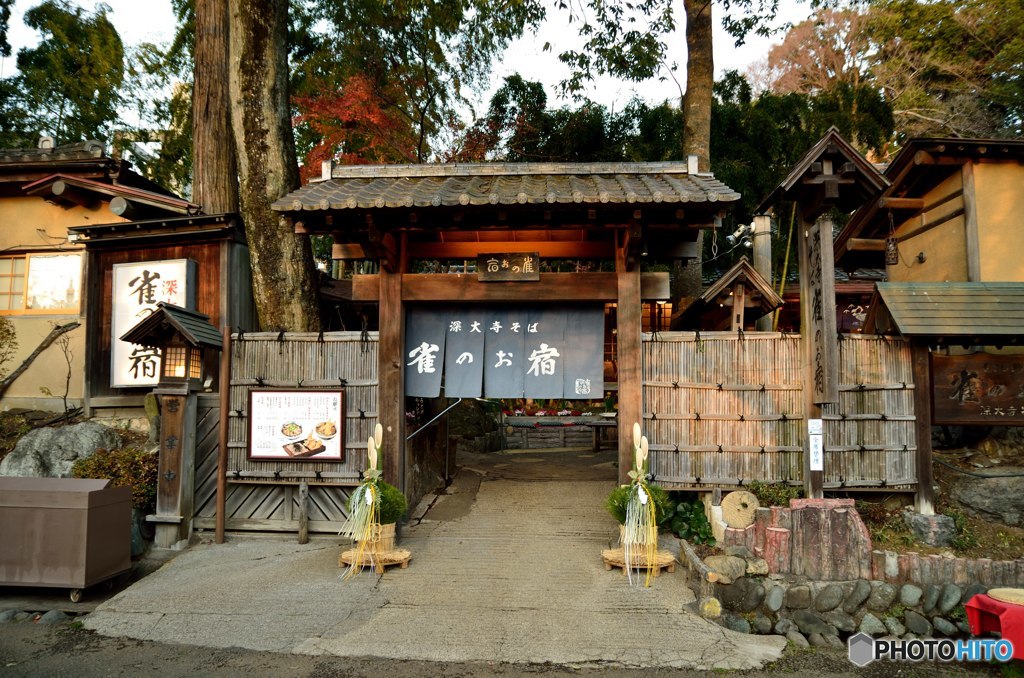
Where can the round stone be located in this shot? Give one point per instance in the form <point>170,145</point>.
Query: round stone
<point>829,598</point>
<point>776,596</point>
<point>910,595</point>
<point>944,626</point>
<point>872,626</point>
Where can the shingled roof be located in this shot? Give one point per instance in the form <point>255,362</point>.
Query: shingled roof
<point>951,312</point>
<point>398,186</point>
<point>194,326</point>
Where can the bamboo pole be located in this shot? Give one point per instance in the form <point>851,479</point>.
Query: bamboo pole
<point>222,451</point>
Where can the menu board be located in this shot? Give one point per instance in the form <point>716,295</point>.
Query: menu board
<point>297,425</point>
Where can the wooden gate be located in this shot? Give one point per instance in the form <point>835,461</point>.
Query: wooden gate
<point>722,409</point>
<point>263,495</point>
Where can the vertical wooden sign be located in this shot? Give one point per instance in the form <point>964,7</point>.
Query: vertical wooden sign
<point>818,296</point>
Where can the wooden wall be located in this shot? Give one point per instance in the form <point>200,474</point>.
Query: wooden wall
<point>722,409</point>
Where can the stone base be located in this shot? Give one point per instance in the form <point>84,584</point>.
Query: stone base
<point>934,530</point>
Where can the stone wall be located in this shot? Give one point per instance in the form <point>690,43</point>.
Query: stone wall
<point>826,613</point>
<point>826,540</point>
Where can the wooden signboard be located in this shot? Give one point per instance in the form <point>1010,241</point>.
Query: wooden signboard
<point>508,266</point>
<point>817,288</point>
<point>978,389</point>
<point>297,425</point>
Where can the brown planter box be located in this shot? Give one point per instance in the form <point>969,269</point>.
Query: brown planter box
<point>63,532</point>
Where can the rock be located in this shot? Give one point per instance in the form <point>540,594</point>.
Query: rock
<point>944,626</point>
<point>930,598</point>
<point>949,598</point>
<point>917,624</point>
<point>833,641</point>
<point>817,640</point>
<point>964,627</point>
<point>910,595</point>
<point>757,567</point>
<point>53,617</point>
<point>709,608</point>
<point>895,627</point>
<point>797,639</point>
<point>871,625</point>
<point>861,591</point>
<point>743,594</point>
<point>728,568</point>
<point>50,452</point>
<point>761,624</point>
<point>798,597</point>
<point>829,598</point>
<point>808,622</point>
<point>910,636</point>
<point>840,620</point>
<point>996,497</point>
<point>735,623</point>
<point>882,595</point>
<point>22,616</point>
<point>774,598</point>
<point>785,626</point>
<point>971,591</point>
<point>8,615</point>
<point>739,551</point>
<point>934,530</point>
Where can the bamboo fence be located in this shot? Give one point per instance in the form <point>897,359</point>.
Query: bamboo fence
<point>723,408</point>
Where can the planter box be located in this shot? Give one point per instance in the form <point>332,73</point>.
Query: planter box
<point>63,532</point>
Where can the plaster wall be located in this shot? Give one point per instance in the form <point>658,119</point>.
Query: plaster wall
<point>944,246</point>
<point>1000,204</point>
<point>33,225</point>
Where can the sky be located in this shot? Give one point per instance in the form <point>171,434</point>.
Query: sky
<point>153,21</point>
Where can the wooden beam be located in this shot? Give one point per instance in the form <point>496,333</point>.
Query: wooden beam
<point>64,193</point>
<point>585,249</point>
<point>921,362</point>
<point>340,250</point>
<point>972,244</point>
<point>901,203</point>
<point>628,357</point>
<point>865,245</point>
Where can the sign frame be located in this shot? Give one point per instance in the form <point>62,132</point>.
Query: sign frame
<point>308,419</point>
<point>977,389</point>
<point>508,267</point>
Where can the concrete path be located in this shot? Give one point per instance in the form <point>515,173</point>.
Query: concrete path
<point>504,569</point>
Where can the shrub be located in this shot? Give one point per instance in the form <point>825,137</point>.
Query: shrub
<point>617,500</point>
<point>689,522</point>
<point>392,503</point>
<point>130,467</point>
<point>774,494</point>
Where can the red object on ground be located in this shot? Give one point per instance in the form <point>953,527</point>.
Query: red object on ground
<point>985,613</point>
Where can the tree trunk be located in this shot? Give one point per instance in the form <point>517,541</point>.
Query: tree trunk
<point>700,77</point>
<point>214,170</point>
<point>282,262</point>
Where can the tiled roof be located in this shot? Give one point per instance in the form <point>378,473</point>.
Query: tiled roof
<point>86,150</point>
<point>956,310</point>
<point>194,326</point>
<point>394,186</point>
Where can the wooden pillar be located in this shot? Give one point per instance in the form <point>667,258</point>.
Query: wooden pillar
<point>222,437</point>
<point>762,237</point>
<point>818,330</point>
<point>739,306</point>
<point>921,361</point>
<point>176,483</point>
<point>391,377</point>
<point>628,356</point>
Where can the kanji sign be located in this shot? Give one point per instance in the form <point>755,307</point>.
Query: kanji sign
<point>980,388</point>
<point>510,352</point>
<point>136,290</point>
<point>508,266</point>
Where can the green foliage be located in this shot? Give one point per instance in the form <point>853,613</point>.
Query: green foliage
<point>130,467</point>
<point>774,494</point>
<point>965,538</point>
<point>8,343</point>
<point>689,522</point>
<point>393,503</point>
<point>886,526</point>
<point>67,86</point>
<point>619,498</point>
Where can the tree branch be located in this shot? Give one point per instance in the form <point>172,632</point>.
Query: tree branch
<point>57,331</point>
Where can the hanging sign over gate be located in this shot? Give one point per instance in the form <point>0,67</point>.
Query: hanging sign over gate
<point>508,266</point>
<point>510,352</point>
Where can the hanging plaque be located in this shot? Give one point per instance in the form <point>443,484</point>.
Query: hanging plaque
<point>508,266</point>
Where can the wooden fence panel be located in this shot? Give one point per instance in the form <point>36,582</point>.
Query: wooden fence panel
<point>263,495</point>
<point>723,408</point>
